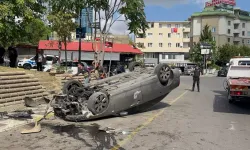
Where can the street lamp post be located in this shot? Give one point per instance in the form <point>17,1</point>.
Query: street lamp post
<point>80,37</point>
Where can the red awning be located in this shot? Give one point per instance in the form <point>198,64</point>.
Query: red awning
<point>88,47</point>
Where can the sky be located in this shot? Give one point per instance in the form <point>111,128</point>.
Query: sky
<point>171,10</point>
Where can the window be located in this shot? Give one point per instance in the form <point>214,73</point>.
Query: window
<point>178,35</point>
<point>151,25</point>
<point>228,31</point>
<point>228,40</point>
<point>160,25</point>
<point>248,33</point>
<point>150,34</point>
<point>169,25</point>
<point>213,38</point>
<point>177,44</point>
<point>229,23</point>
<point>171,56</point>
<point>248,41</point>
<point>150,44</point>
<point>177,25</point>
<point>161,34</point>
<point>169,44</point>
<point>243,25</point>
<point>213,29</point>
<point>160,44</point>
<point>244,63</point>
<point>243,33</point>
<point>169,35</point>
<point>163,56</point>
<point>243,41</point>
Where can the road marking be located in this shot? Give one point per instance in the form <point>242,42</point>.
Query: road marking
<point>140,127</point>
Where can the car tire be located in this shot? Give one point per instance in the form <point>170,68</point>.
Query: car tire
<point>71,84</point>
<point>98,103</point>
<point>27,66</point>
<point>164,73</point>
<point>132,65</point>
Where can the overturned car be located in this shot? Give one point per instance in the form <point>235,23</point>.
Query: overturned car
<point>134,91</point>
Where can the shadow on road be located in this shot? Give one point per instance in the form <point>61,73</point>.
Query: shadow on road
<point>221,104</point>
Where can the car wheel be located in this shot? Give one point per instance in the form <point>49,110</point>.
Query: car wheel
<point>98,103</point>
<point>27,66</point>
<point>132,65</point>
<point>71,86</point>
<point>164,73</point>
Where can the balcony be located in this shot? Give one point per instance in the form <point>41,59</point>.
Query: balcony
<point>186,40</point>
<point>236,31</point>
<point>236,21</point>
<point>186,30</point>
<point>237,39</point>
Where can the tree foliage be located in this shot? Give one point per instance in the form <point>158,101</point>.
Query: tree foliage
<point>195,52</point>
<point>29,12</point>
<point>227,51</point>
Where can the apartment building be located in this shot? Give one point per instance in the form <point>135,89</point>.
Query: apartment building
<point>228,23</point>
<point>166,42</point>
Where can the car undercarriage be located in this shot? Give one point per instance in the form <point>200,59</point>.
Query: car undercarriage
<point>112,95</point>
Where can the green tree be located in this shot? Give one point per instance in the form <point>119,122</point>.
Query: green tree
<point>132,10</point>
<point>195,52</point>
<point>63,25</point>
<point>34,31</point>
<point>10,29</point>
<point>227,51</point>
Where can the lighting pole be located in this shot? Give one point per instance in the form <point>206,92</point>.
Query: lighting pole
<point>80,37</point>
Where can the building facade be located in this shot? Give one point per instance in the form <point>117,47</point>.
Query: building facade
<point>87,19</point>
<point>166,42</point>
<point>228,23</point>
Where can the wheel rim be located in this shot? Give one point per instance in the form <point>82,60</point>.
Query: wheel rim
<point>101,103</point>
<point>165,73</point>
<point>72,89</point>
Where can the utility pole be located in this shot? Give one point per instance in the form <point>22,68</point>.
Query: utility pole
<point>80,37</point>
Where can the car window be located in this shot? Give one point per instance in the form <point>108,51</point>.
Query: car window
<point>49,58</point>
<point>244,63</point>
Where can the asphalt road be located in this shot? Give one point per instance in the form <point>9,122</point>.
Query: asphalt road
<point>184,120</point>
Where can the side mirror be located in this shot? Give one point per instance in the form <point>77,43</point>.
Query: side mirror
<point>227,64</point>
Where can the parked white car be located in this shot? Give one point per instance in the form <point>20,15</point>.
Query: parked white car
<point>31,63</point>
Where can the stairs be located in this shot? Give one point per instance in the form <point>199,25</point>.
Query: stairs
<point>15,86</point>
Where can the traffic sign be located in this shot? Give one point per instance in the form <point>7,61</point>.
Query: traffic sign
<point>95,25</point>
<point>81,31</point>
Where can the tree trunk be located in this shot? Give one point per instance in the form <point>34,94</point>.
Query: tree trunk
<point>59,52</point>
<point>65,53</point>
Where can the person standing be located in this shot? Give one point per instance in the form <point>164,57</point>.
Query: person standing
<point>2,53</point>
<point>12,56</point>
<point>39,58</point>
<point>196,78</point>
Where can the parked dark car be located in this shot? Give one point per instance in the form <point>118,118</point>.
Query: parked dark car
<point>134,91</point>
<point>222,72</point>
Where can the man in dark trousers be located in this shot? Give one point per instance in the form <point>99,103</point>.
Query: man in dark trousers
<point>12,56</point>
<point>2,53</point>
<point>196,78</point>
<point>39,58</point>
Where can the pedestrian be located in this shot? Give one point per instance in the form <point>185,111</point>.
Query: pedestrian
<point>12,56</point>
<point>39,58</point>
<point>83,70</point>
<point>196,78</point>
<point>2,53</point>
